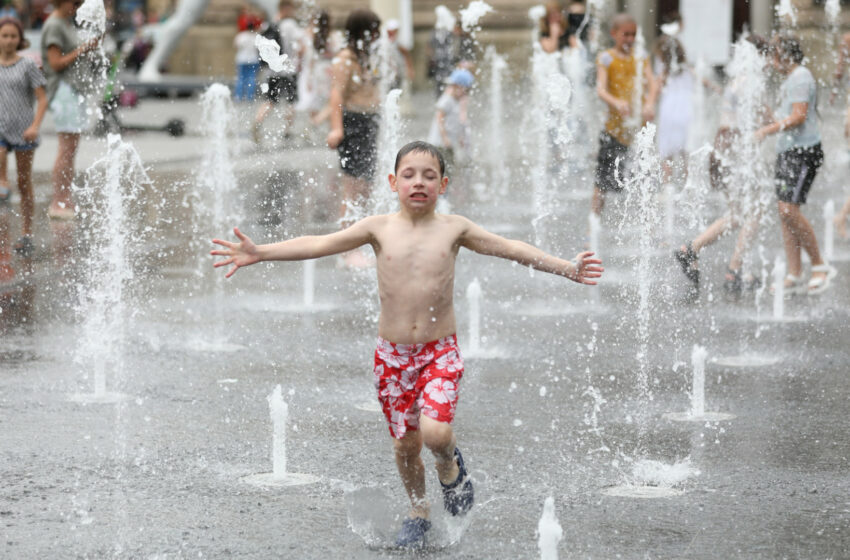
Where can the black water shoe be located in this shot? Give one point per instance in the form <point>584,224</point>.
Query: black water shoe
<point>458,496</point>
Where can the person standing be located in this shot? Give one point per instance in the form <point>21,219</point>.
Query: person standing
<point>799,156</point>
<point>67,65</point>
<point>21,84</point>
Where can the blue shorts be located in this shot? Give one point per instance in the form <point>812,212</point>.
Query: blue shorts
<point>18,147</point>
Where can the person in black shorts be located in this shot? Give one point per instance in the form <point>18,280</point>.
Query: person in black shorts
<point>610,163</point>
<point>799,155</point>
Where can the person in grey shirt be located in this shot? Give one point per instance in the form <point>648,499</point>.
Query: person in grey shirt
<point>67,69</point>
<point>799,155</point>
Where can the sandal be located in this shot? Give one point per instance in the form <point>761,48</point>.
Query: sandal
<point>412,534</point>
<point>688,259</point>
<point>821,283</point>
<point>459,495</point>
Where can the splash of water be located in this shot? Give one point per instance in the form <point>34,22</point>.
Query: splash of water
<point>635,117</point>
<point>383,199</point>
<point>472,14</point>
<point>473,295</point>
<point>113,184</point>
<point>698,356</point>
<point>549,531</point>
<point>647,472</point>
<point>779,289</point>
<point>496,153</point>
<point>829,230</point>
<point>786,10</point>
<point>832,8</point>
<point>279,411</point>
<point>445,19</point>
<point>91,17</point>
<point>270,53</point>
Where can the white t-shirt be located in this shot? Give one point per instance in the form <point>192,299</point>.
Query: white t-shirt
<point>246,52</point>
<point>455,128</point>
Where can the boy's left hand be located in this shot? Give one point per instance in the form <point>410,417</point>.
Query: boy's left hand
<point>587,268</point>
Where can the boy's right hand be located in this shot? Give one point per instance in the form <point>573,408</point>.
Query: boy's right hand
<point>335,136</point>
<point>239,254</point>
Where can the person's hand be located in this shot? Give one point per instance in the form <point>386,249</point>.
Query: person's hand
<point>31,134</point>
<point>587,268</point>
<point>623,107</point>
<point>335,136</point>
<point>760,134</point>
<point>238,254</point>
<point>90,45</point>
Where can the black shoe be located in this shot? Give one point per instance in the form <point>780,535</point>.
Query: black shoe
<point>689,260</point>
<point>458,496</point>
<point>412,534</point>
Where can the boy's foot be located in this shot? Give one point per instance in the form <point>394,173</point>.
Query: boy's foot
<point>458,496</point>
<point>689,261</point>
<point>822,276</point>
<point>412,534</point>
<point>25,246</point>
<point>792,285</point>
<point>732,283</point>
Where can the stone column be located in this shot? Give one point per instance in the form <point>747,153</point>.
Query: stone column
<point>761,16</point>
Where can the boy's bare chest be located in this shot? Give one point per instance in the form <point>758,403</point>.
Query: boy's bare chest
<point>417,254</point>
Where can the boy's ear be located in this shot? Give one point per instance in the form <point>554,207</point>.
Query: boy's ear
<point>392,179</point>
<point>444,183</point>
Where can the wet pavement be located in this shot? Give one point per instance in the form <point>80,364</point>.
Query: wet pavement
<point>552,405</point>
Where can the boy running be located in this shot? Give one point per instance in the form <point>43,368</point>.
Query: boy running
<point>616,70</point>
<point>417,362</point>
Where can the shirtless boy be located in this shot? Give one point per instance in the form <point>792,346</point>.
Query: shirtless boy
<point>417,362</point>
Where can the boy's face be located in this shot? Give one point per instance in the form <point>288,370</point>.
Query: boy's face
<point>418,182</point>
<point>624,36</point>
<point>458,91</point>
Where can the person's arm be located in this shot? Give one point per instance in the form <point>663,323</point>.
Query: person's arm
<point>58,60</point>
<point>340,75</point>
<point>441,126</point>
<point>652,87</point>
<point>796,118</point>
<point>619,105</point>
<point>550,43</point>
<point>31,133</point>
<point>583,270</point>
<point>246,253</point>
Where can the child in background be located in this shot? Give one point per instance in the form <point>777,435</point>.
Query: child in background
<point>616,83</point>
<point>247,63</point>
<point>675,105</point>
<point>418,365</point>
<point>21,84</point>
<point>450,129</point>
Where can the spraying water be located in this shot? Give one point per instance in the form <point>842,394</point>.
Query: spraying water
<point>786,11</point>
<point>309,282</point>
<point>698,356</point>
<point>779,289</point>
<point>535,14</point>
<point>113,184</point>
<point>445,19</point>
<point>549,531</point>
<point>635,117</point>
<point>470,16</point>
<point>270,53</point>
<point>496,152</point>
<point>829,230</point>
<point>280,415</point>
<point>382,198</point>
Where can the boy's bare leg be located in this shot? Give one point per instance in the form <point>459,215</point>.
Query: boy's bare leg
<point>745,237</point>
<point>4,178</point>
<point>713,232</point>
<point>803,238</point>
<point>63,169</point>
<point>412,470</point>
<point>24,159</point>
<point>440,439</point>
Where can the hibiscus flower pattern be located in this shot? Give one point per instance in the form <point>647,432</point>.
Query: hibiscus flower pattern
<point>417,378</point>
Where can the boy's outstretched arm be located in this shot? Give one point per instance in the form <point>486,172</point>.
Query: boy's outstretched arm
<point>246,253</point>
<point>583,270</point>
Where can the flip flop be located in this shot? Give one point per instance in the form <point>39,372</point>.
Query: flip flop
<point>822,283</point>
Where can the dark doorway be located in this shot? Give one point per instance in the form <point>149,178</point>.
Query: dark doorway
<point>740,17</point>
<point>665,9</point>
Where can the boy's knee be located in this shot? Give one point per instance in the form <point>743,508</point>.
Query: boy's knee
<point>438,436</point>
<point>409,446</point>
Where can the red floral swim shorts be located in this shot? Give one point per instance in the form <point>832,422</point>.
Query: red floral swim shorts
<point>414,378</point>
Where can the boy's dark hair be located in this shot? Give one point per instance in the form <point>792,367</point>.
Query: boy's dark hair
<point>423,147</point>
<point>362,27</point>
